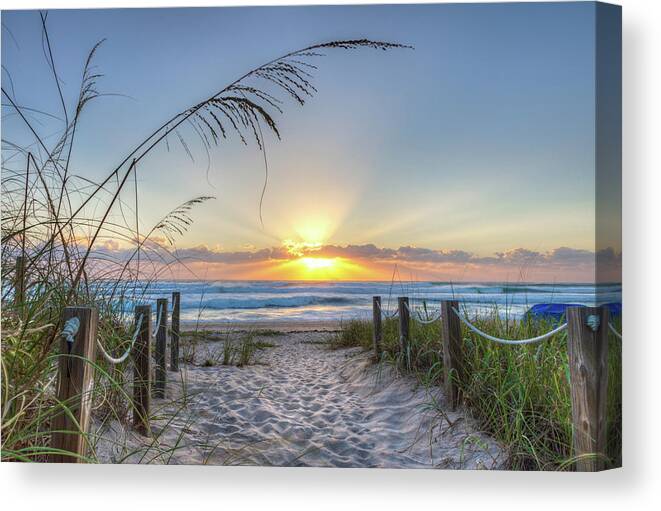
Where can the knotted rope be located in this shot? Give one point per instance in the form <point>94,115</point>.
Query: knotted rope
<point>69,331</point>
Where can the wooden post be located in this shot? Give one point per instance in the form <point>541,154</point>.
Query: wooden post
<point>403,305</point>
<point>142,370</point>
<point>453,359</point>
<point>19,282</point>
<point>174,337</point>
<point>587,337</point>
<point>74,386</point>
<point>377,334</point>
<point>160,375</point>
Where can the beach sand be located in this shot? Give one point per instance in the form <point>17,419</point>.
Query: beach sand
<point>257,326</point>
<point>300,404</point>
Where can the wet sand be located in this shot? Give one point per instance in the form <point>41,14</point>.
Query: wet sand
<point>256,326</point>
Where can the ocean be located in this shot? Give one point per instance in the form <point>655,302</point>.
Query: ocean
<point>242,301</point>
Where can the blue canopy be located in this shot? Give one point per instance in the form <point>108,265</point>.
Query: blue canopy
<point>558,310</point>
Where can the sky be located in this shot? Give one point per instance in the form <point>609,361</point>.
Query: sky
<point>469,157</point>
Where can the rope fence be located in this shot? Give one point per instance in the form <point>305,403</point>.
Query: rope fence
<point>587,366</point>
<point>158,322</point>
<point>591,321</point>
<point>417,317</point>
<point>80,345</point>
<point>499,340</point>
<point>587,343</point>
<point>386,314</point>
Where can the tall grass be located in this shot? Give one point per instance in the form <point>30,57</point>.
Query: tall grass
<point>236,347</point>
<point>518,394</point>
<point>58,219</point>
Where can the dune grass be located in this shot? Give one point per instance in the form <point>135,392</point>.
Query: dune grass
<point>238,348</point>
<point>239,351</point>
<point>58,220</point>
<point>518,394</point>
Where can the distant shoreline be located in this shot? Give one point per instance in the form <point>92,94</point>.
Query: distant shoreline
<point>397,282</point>
<point>284,326</point>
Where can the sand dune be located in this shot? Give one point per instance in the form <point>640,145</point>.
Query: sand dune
<point>302,404</point>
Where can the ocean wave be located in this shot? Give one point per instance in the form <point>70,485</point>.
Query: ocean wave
<point>533,289</point>
<point>267,303</point>
<point>218,300</point>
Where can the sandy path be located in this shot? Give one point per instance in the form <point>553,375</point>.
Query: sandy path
<point>305,405</point>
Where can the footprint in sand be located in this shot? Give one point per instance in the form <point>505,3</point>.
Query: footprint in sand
<point>306,405</point>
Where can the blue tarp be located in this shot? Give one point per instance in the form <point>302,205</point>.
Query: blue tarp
<point>558,310</point>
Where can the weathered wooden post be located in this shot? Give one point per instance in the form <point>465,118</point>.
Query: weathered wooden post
<point>377,334</point>
<point>142,370</point>
<point>19,282</point>
<point>404,327</point>
<point>74,385</point>
<point>174,337</point>
<point>160,376</point>
<point>587,337</point>
<point>453,359</point>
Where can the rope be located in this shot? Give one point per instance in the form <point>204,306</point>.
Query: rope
<point>121,359</point>
<point>386,313</point>
<point>419,318</point>
<point>173,303</point>
<point>593,321</point>
<point>508,341</point>
<point>612,329</point>
<point>69,331</point>
<point>158,321</point>
<point>425,321</point>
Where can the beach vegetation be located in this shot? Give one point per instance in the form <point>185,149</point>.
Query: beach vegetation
<point>269,332</point>
<point>518,394</point>
<point>58,221</point>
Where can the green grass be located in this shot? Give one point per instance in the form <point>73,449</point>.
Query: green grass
<point>228,350</point>
<point>246,350</point>
<point>518,394</point>
<point>262,345</point>
<point>30,359</point>
<point>239,348</point>
<point>352,333</point>
<point>269,332</point>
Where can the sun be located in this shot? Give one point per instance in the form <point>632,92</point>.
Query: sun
<point>320,268</point>
<point>315,263</point>
<point>316,269</point>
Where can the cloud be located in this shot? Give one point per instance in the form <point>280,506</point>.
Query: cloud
<point>570,256</point>
<point>367,252</point>
<point>433,256</point>
<point>110,245</point>
<point>206,254</point>
<point>516,256</point>
<point>371,253</point>
<point>561,263</point>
